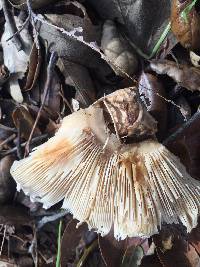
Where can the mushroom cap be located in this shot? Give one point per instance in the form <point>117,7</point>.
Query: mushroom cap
<point>130,187</point>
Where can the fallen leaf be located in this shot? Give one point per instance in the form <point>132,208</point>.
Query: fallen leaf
<point>194,237</point>
<point>24,122</point>
<point>112,250</point>
<point>7,184</point>
<point>34,64</point>
<point>70,240</point>
<point>142,28</point>
<point>133,257</point>
<point>185,23</point>
<point>79,77</point>
<point>184,75</point>
<point>4,74</point>
<point>34,4</point>
<point>15,215</point>
<point>153,96</point>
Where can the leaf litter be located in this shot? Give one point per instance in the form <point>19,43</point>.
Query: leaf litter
<point>58,58</point>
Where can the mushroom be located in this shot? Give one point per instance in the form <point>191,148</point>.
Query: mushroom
<point>106,181</point>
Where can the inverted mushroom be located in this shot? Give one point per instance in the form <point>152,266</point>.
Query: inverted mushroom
<point>105,182</point>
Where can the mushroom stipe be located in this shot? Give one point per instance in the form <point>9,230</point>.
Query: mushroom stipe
<point>105,182</point>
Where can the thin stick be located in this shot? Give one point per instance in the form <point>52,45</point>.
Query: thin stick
<point>180,131</point>
<point>11,23</point>
<point>20,29</point>
<point>7,140</point>
<point>50,70</point>
<point>2,243</point>
<point>19,148</point>
<point>34,140</point>
<point>66,101</point>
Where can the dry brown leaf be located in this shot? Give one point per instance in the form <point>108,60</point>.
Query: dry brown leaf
<point>186,76</point>
<point>34,64</point>
<point>186,29</point>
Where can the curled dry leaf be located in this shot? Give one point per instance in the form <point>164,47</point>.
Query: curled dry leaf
<point>185,25</point>
<point>34,64</point>
<point>184,75</point>
<point>7,184</point>
<point>118,51</point>
<point>195,59</point>
<point>105,182</point>
<point>153,95</point>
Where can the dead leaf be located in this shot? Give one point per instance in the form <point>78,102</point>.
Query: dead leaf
<point>70,240</point>
<point>4,74</point>
<point>7,184</point>
<point>24,121</point>
<point>142,21</point>
<point>67,46</point>
<point>15,215</point>
<point>112,250</point>
<point>79,77</point>
<point>194,237</point>
<point>34,64</point>
<point>185,24</point>
<point>153,96</point>
<point>34,4</point>
<point>133,257</point>
<point>184,75</point>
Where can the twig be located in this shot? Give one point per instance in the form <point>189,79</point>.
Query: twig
<point>66,101</point>
<point>6,128</point>
<point>33,248</point>
<point>19,148</point>
<point>20,29</point>
<point>11,23</point>
<point>51,218</point>
<point>181,130</point>
<point>2,243</point>
<point>34,140</point>
<point>7,140</point>
<point>50,70</point>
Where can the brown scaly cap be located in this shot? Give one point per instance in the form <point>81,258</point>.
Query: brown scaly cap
<point>129,117</point>
<point>132,188</point>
